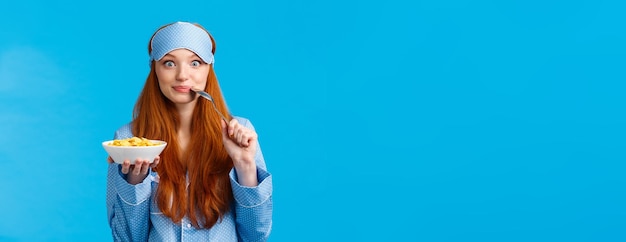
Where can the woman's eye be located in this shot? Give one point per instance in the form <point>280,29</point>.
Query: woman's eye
<point>195,63</point>
<point>169,64</point>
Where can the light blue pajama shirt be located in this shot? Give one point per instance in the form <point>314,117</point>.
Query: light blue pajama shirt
<point>134,215</point>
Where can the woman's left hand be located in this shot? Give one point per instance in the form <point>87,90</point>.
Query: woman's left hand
<point>241,144</point>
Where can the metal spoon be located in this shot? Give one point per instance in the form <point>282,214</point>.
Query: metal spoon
<point>207,96</point>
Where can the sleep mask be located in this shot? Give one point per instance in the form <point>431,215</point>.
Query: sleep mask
<point>182,35</point>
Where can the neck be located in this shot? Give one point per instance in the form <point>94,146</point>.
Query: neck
<point>185,112</point>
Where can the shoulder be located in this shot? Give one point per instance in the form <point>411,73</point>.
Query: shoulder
<point>124,132</point>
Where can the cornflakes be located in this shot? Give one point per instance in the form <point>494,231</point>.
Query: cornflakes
<point>134,141</point>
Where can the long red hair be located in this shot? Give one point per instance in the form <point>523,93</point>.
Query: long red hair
<point>207,163</point>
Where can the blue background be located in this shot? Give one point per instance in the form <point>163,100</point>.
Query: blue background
<point>380,120</point>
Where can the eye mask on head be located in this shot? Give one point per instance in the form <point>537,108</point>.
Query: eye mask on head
<point>182,35</point>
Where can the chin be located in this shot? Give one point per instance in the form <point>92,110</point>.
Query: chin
<point>180,98</point>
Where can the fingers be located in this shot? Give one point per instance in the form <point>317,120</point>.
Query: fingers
<point>232,126</point>
<point>109,159</point>
<point>140,166</point>
<point>238,133</point>
<point>125,166</point>
<point>245,137</point>
<point>143,168</point>
<point>156,161</point>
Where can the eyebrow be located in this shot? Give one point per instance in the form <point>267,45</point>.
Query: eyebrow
<point>194,55</point>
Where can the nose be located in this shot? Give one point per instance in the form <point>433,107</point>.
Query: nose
<point>183,73</point>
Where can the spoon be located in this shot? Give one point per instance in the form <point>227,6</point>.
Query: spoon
<point>207,96</point>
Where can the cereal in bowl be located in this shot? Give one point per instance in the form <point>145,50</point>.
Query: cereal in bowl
<point>134,141</point>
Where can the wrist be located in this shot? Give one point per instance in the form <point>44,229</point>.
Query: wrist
<point>245,167</point>
<point>247,175</point>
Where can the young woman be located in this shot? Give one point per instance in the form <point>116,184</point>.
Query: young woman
<point>210,183</point>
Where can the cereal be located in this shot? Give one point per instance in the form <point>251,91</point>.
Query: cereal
<point>134,141</point>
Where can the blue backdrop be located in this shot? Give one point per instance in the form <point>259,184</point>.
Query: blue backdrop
<point>380,120</point>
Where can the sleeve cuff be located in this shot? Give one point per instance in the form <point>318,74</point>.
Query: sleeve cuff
<point>252,196</point>
<point>131,194</point>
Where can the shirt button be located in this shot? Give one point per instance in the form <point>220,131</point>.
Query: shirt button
<point>188,225</point>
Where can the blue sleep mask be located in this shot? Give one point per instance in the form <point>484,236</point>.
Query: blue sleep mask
<point>182,35</point>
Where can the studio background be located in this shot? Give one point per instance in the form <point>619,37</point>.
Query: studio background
<point>379,120</point>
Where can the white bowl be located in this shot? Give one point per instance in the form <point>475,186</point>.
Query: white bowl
<point>132,153</point>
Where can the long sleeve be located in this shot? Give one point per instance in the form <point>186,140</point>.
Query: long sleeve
<point>253,205</point>
<point>133,216</point>
<point>127,205</point>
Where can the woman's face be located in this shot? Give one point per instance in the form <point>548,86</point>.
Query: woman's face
<point>179,71</point>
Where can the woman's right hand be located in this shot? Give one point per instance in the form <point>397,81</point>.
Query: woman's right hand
<point>137,172</point>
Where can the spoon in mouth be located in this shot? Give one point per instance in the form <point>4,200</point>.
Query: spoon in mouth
<point>207,96</point>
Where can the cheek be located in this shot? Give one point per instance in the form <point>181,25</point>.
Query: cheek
<point>201,77</point>
<point>161,75</point>
<point>162,80</point>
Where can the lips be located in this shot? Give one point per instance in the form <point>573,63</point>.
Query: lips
<point>184,89</point>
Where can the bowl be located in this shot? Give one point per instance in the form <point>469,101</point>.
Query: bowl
<point>132,153</point>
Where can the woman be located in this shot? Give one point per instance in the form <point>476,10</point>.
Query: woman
<point>210,183</point>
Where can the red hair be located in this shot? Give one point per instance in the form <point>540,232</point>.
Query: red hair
<point>207,163</point>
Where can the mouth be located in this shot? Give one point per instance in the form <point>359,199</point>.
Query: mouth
<point>182,89</point>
